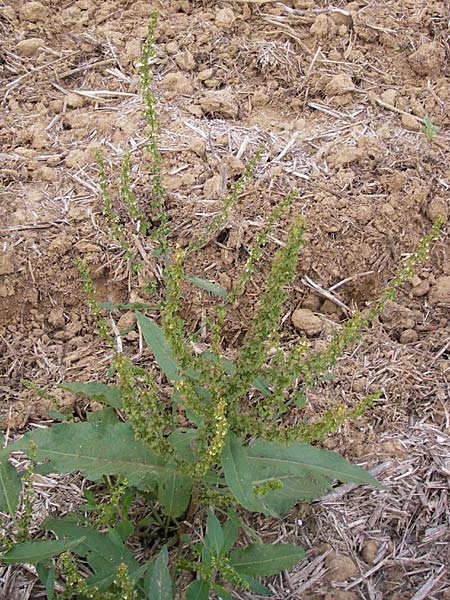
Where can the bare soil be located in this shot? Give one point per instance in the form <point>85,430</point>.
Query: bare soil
<point>337,95</point>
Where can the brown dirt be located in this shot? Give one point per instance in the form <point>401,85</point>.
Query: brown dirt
<point>336,94</point>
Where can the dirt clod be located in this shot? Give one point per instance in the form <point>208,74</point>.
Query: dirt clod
<point>438,207</point>
<point>56,318</point>
<point>428,59</point>
<point>409,336</point>
<point>177,82</point>
<point>341,567</point>
<point>219,104</point>
<point>30,46</point>
<point>306,321</point>
<point>33,12</point>
<point>369,551</point>
<point>340,84</point>
<point>440,290</point>
<point>225,17</point>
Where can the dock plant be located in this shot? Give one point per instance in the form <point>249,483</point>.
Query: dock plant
<point>193,435</point>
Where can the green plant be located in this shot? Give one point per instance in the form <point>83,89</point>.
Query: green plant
<point>219,441</point>
<point>429,129</point>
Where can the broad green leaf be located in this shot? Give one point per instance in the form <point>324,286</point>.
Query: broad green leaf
<point>206,285</point>
<point>214,539</point>
<point>156,341</point>
<point>124,529</point>
<point>35,552</point>
<point>94,390</point>
<point>265,559</point>
<point>47,577</point>
<point>230,369</point>
<point>305,473</point>
<point>237,473</point>
<point>96,450</point>
<point>282,474</point>
<point>198,590</point>
<point>223,594</point>
<point>10,485</point>
<point>103,553</point>
<point>183,441</point>
<point>174,493</point>
<point>106,416</point>
<point>257,587</point>
<point>230,533</point>
<point>161,587</point>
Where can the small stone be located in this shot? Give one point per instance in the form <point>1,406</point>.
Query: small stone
<point>410,122</point>
<point>340,84</point>
<point>428,59</point>
<point>177,82</point>
<point>29,47</point>
<point>438,207</point>
<point>306,321</point>
<point>369,551</point>
<point>56,318</point>
<point>440,291</point>
<point>341,567</point>
<point>225,17</point>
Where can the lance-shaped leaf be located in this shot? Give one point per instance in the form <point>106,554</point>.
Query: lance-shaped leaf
<point>103,554</point>
<point>265,559</point>
<point>236,469</point>
<point>198,590</point>
<point>271,477</point>
<point>214,539</point>
<point>174,493</point>
<point>206,285</point>
<point>93,390</point>
<point>10,485</point>
<point>302,471</point>
<point>156,341</point>
<point>160,585</point>
<point>36,552</point>
<point>96,450</point>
